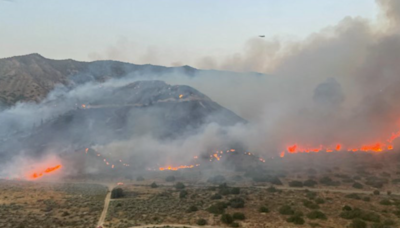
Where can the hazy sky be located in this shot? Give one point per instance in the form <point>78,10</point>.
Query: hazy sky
<point>165,32</point>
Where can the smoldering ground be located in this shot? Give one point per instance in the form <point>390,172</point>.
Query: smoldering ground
<point>339,85</point>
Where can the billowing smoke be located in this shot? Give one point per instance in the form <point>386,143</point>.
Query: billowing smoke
<point>338,86</point>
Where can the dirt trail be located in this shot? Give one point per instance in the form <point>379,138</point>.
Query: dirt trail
<point>105,209</point>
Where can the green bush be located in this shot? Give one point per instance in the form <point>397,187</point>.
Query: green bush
<point>376,192</point>
<point>353,196</point>
<point>320,201</point>
<point>216,196</point>
<point>236,203</point>
<point>180,186</point>
<point>201,222</point>
<point>117,193</point>
<point>357,185</point>
<point>296,184</point>
<point>316,215</point>
<point>217,208</point>
<point>271,189</point>
<point>385,202</point>
<point>238,216</point>
<point>366,199</point>
<point>310,183</point>
<point>139,178</point>
<point>235,224</point>
<point>192,208</point>
<point>351,214</point>
<point>311,195</point>
<point>154,185</point>
<point>183,194</point>
<point>286,210</point>
<point>235,191</point>
<point>263,209</point>
<point>357,223</point>
<point>346,208</point>
<point>296,220</point>
<point>226,218</point>
<point>170,179</point>
<point>310,204</point>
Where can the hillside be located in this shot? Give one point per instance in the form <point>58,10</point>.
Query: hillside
<point>32,77</point>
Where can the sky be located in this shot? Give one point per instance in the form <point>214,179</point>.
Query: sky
<point>162,32</point>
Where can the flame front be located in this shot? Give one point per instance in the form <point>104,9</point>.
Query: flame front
<point>47,171</point>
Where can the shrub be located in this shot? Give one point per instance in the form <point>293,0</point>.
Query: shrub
<point>226,218</point>
<point>275,181</point>
<point>316,215</point>
<point>263,209</point>
<point>170,179</point>
<point>346,208</point>
<point>310,183</point>
<point>389,193</point>
<point>357,223</point>
<point>296,184</point>
<point>367,199</point>
<point>357,185</point>
<point>296,220</point>
<point>117,193</point>
<point>235,224</point>
<point>311,195</point>
<point>370,216</point>
<point>320,201</point>
<point>179,185</point>
<point>329,182</point>
<point>192,208</point>
<point>139,178</point>
<point>385,202</point>
<point>355,213</point>
<point>286,210</point>
<point>236,203</point>
<point>201,222</point>
<point>216,196</point>
<point>154,185</point>
<point>353,196</point>
<point>271,189</point>
<point>389,222</point>
<point>238,216</point>
<point>217,208</point>
<point>376,192</point>
<point>310,204</point>
<point>183,194</point>
<point>235,191</point>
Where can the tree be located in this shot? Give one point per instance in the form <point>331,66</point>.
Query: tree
<point>154,185</point>
<point>217,208</point>
<point>226,218</point>
<point>238,216</point>
<point>117,193</point>
<point>235,191</point>
<point>179,185</point>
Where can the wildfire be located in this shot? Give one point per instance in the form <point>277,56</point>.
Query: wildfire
<point>49,170</point>
<point>180,96</point>
<point>178,167</point>
<point>83,106</point>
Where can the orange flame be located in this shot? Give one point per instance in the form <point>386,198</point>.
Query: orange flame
<point>49,170</point>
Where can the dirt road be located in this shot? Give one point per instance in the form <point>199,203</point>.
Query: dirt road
<point>105,209</point>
